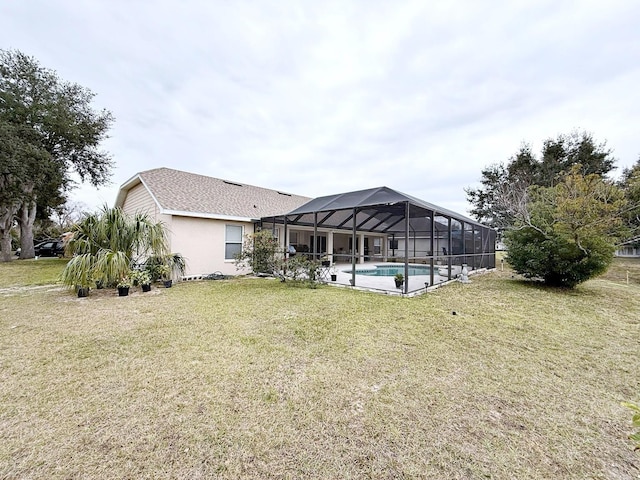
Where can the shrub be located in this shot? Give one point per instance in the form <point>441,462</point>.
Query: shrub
<point>301,269</point>
<point>260,252</point>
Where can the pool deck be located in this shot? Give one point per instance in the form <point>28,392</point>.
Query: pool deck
<point>416,283</point>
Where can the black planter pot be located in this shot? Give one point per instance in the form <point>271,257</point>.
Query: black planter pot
<point>167,283</point>
<point>83,292</point>
<point>146,287</point>
<point>399,283</point>
<point>326,263</point>
<point>334,277</point>
<point>123,291</point>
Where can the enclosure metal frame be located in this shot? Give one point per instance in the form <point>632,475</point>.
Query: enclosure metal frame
<point>390,213</point>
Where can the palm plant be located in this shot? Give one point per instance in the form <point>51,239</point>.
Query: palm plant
<point>165,266</point>
<point>106,245</point>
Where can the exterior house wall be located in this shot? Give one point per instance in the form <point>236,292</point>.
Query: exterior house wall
<point>628,251</point>
<point>202,243</point>
<point>138,199</point>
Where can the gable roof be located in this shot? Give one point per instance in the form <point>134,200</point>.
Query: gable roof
<point>188,194</point>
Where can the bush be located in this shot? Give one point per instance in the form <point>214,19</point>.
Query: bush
<point>556,260</point>
<point>301,269</point>
<point>260,252</point>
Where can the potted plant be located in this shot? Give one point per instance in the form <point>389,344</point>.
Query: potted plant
<point>399,279</point>
<point>165,274</point>
<point>124,284</point>
<point>141,278</point>
<point>79,275</point>
<point>334,274</point>
<point>145,281</point>
<point>164,267</point>
<point>82,291</point>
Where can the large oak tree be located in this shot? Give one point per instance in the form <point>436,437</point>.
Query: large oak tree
<point>48,131</point>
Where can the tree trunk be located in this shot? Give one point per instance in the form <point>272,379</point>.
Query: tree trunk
<point>6,222</point>
<point>26,219</point>
<point>5,243</point>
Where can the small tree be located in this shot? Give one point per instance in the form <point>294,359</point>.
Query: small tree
<point>567,233</point>
<point>260,252</point>
<point>107,245</point>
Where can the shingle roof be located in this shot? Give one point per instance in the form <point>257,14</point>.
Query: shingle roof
<point>178,191</point>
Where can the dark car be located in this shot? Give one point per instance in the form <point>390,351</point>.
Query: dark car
<point>49,248</point>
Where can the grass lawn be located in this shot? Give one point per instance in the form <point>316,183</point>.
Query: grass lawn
<point>251,378</point>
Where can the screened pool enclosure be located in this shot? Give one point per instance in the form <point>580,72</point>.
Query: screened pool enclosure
<point>368,236</point>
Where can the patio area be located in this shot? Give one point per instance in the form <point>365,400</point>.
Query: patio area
<point>379,277</point>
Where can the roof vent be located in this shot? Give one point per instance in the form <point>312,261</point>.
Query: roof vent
<point>232,183</point>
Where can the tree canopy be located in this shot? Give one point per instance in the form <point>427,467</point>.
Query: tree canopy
<point>48,130</point>
<point>503,191</point>
<point>569,231</point>
<point>630,183</point>
<point>560,214</point>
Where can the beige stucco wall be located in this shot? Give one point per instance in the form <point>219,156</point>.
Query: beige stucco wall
<point>201,241</point>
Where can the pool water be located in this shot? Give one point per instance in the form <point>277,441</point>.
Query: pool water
<point>392,270</point>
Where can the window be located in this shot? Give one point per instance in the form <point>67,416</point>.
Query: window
<point>233,241</point>
<point>393,244</point>
<point>377,246</point>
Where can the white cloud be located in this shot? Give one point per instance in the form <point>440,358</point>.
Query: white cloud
<point>322,97</point>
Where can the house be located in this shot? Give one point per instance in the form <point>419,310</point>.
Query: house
<point>630,248</point>
<point>207,218</point>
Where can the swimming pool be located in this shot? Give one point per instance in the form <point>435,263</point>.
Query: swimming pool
<point>391,270</point>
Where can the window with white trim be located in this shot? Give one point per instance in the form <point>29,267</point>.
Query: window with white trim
<point>232,241</point>
<point>377,246</point>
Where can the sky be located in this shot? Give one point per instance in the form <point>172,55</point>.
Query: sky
<point>324,97</point>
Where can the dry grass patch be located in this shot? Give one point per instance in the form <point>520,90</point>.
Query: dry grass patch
<point>254,379</point>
